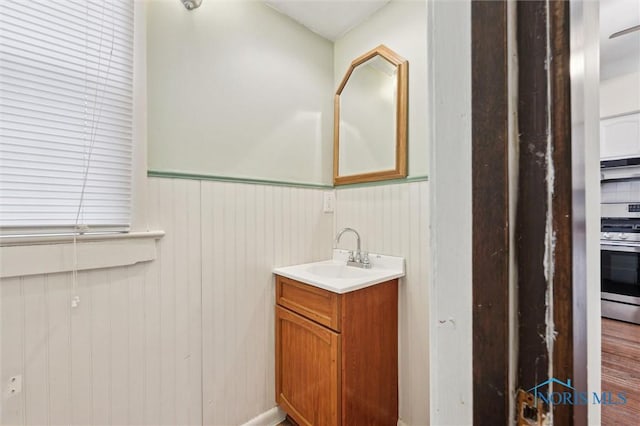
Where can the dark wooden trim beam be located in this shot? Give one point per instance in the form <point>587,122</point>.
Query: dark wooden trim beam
<point>490,114</point>
<point>532,208</point>
<point>562,201</point>
<point>544,221</point>
<point>543,228</point>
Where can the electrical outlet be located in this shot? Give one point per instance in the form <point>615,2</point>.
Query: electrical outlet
<point>14,386</point>
<point>329,201</point>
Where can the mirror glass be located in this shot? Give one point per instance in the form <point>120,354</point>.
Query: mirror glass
<point>367,118</point>
<point>370,127</point>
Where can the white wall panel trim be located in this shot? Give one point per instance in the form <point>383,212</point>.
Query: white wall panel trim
<point>409,179</point>
<point>16,261</point>
<point>57,239</point>
<point>216,178</point>
<point>250,181</point>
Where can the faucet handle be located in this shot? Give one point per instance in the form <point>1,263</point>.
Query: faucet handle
<point>351,256</point>
<point>366,263</point>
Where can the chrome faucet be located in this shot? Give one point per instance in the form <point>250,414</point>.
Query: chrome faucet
<point>360,260</point>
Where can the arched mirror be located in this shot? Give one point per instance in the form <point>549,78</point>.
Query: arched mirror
<point>370,121</point>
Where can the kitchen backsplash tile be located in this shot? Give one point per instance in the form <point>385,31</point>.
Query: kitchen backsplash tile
<point>620,192</point>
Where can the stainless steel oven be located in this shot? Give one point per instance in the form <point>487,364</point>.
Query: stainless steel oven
<point>620,262</point>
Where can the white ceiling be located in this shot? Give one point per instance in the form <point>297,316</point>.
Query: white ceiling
<point>333,18</point>
<point>620,55</point>
<point>329,18</point>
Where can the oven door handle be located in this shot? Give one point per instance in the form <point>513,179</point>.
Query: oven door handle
<point>620,247</point>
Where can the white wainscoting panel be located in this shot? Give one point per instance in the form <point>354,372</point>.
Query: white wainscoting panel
<point>130,353</point>
<point>394,220</point>
<point>246,231</point>
<point>186,339</point>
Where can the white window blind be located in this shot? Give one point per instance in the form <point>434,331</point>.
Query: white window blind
<point>66,75</point>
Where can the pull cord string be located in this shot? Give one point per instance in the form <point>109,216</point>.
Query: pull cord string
<point>95,119</point>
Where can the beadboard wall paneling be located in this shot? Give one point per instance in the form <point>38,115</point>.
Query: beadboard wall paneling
<point>394,220</point>
<point>179,296</point>
<point>85,365</point>
<point>246,231</point>
<point>132,351</point>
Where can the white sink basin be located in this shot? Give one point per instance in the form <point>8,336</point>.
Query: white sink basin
<point>334,275</point>
<point>336,270</point>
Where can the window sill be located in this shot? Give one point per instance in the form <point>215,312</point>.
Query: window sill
<point>22,256</point>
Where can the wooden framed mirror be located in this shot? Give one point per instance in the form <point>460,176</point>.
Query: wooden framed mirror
<point>370,119</point>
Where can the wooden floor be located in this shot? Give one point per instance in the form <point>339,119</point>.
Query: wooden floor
<point>621,371</point>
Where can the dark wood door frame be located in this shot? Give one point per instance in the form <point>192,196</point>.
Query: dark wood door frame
<point>542,240</point>
<point>490,198</point>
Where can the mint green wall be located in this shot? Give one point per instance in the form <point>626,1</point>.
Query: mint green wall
<point>402,26</point>
<point>236,89</point>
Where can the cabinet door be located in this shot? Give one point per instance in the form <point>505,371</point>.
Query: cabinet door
<point>307,370</point>
<point>620,137</point>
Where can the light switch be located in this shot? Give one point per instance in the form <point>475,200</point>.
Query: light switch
<point>329,201</point>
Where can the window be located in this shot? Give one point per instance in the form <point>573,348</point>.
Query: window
<point>66,82</point>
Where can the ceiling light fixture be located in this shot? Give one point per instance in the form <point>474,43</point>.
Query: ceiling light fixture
<point>191,4</point>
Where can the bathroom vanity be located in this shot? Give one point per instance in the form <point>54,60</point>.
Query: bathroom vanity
<point>337,342</point>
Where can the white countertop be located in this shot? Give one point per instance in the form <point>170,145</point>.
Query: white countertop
<point>334,274</point>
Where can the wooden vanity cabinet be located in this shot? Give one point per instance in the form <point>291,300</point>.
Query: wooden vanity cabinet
<point>337,354</point>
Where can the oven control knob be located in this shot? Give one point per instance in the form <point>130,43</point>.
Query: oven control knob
<point>623,236</point>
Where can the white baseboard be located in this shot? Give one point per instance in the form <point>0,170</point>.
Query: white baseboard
<point>401,423</point>
<point>268,418</point>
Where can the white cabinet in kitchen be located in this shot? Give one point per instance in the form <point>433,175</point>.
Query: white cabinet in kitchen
<point>620,137</point>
